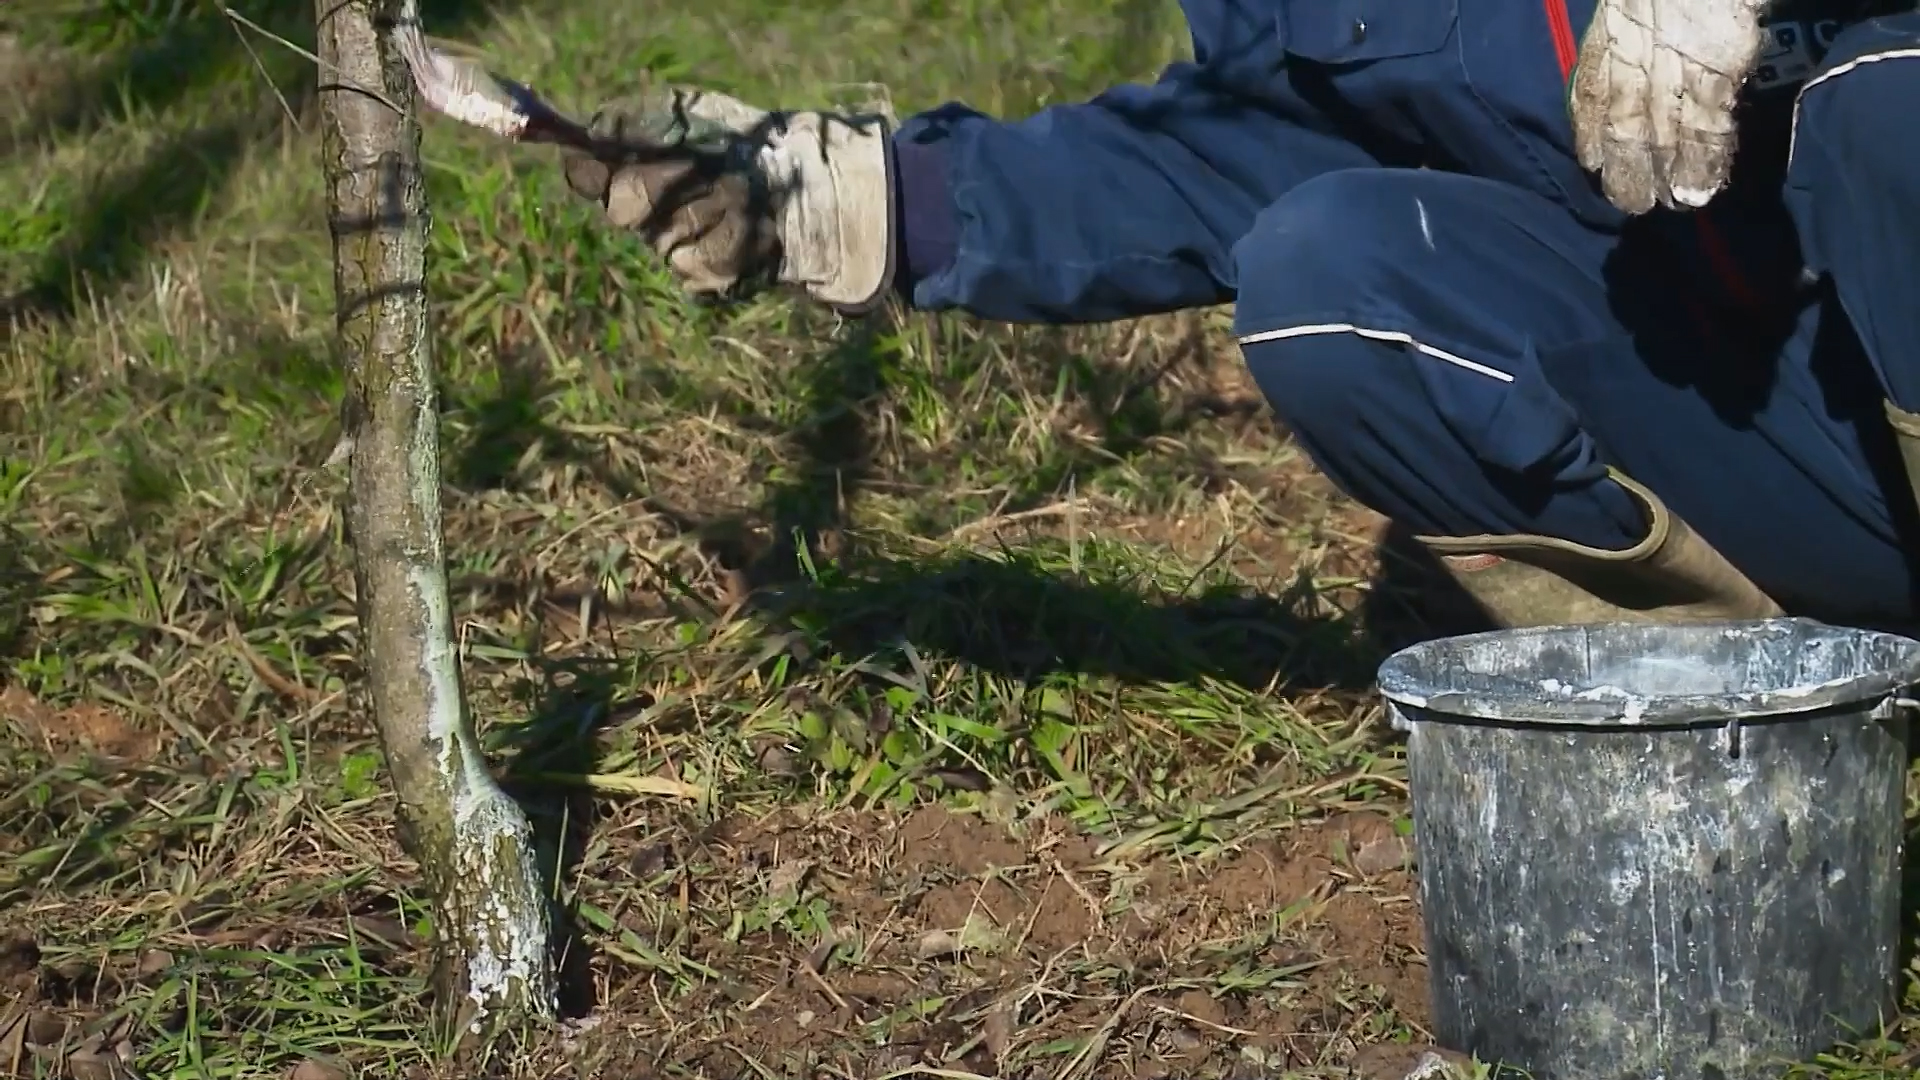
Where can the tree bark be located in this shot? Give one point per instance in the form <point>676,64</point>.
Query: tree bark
<point>473,843</point>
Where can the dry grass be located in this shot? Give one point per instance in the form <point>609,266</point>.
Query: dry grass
<point>908,698</point>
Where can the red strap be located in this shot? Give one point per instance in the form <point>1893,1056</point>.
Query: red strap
<point>1560,24</point>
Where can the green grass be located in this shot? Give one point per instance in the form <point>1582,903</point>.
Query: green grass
<point>746,599</point>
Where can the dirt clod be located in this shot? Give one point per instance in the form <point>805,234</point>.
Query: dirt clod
<point>1201,1006</point>
<point>82,727</point>
<point>19,955</point>
<point>1373,843</point>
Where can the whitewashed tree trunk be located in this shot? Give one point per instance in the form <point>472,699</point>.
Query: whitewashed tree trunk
<point>473,843</point>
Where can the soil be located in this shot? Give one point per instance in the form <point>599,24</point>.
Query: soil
<point>954,943</point>
<point>79,729</point>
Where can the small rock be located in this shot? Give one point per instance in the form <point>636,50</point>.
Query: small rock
<point>1440,1065</point>
<point>1185,1040</point>
<point>776,759</point>
<point>575,1030</point>
<point>97,1065</point>
<point>311,1069</point>
<point>155,961</point>
<point>977,936</point>
<point>1399,1061</point>
<point>1383,855</point>
<point>649,861</point>
<point>46,1028</point>
<point>788,879</point>
<point>935,944</point>
<point>381,932</point>
<point>1201,1006</point>
<point>998,1031</point>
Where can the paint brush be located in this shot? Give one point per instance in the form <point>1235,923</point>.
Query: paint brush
<point>465,91</point>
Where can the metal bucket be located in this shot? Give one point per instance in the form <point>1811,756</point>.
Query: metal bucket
<point>1658,852</point>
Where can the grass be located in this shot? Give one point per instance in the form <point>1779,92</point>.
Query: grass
<point>911,695</point>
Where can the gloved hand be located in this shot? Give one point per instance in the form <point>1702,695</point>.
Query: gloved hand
<point>1653,96</point>
<point>734,196</point>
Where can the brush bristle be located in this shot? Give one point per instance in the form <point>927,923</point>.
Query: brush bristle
<point>459,89</point>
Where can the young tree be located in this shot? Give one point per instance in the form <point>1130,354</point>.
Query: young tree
<point>472,841</point>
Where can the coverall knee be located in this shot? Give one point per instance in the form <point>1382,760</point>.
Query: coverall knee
<point>1466,358</point>
<point>1853,189</point>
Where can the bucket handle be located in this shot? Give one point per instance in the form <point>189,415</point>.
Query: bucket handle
<point>1892,705</point>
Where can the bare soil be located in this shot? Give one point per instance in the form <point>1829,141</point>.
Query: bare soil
<point>956,943</point>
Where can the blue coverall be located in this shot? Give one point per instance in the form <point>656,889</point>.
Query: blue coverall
<point>1442,307</point>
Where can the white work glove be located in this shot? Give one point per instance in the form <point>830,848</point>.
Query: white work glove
<point>1653,95</point>
<point>735,196</point>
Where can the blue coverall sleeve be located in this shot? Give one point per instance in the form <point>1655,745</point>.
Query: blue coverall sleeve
<point>1127,204</point>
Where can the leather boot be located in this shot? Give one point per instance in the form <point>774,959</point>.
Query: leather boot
<point>1673,575</point>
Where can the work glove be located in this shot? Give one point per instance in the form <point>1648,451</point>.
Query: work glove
<point>1653,94</point>
<point>736,197</point>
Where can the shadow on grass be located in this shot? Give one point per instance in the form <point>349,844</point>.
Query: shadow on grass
<point>21,582</point>
<point>506,424</point>
<point>575,701</point>
<point>1027,613</point>
<point>1023,615</point>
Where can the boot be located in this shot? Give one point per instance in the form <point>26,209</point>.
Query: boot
<point>1673,575</point>
<point>1906,435</point>
<point>1906,432</point>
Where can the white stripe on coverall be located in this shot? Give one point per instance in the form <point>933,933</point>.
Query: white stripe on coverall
<point>1377,335</point>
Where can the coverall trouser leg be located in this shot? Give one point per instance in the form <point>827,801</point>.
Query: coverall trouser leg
<point>1853,189</point>
<point>1470,361</point>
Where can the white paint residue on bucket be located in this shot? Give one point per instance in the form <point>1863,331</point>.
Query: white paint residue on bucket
<point>1623,883</point>
<point>1668,676</point>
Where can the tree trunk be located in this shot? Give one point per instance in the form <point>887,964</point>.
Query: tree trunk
<point>471,840</point>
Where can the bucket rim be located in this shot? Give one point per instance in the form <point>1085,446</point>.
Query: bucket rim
<point>1403,690</point>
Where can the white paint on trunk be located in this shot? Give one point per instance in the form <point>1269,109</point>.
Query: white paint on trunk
<point>493,843</point>
<point>493,848</point>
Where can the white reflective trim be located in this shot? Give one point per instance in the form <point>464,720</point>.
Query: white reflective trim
<point>1793,133</point>
<point>1377,335</point>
